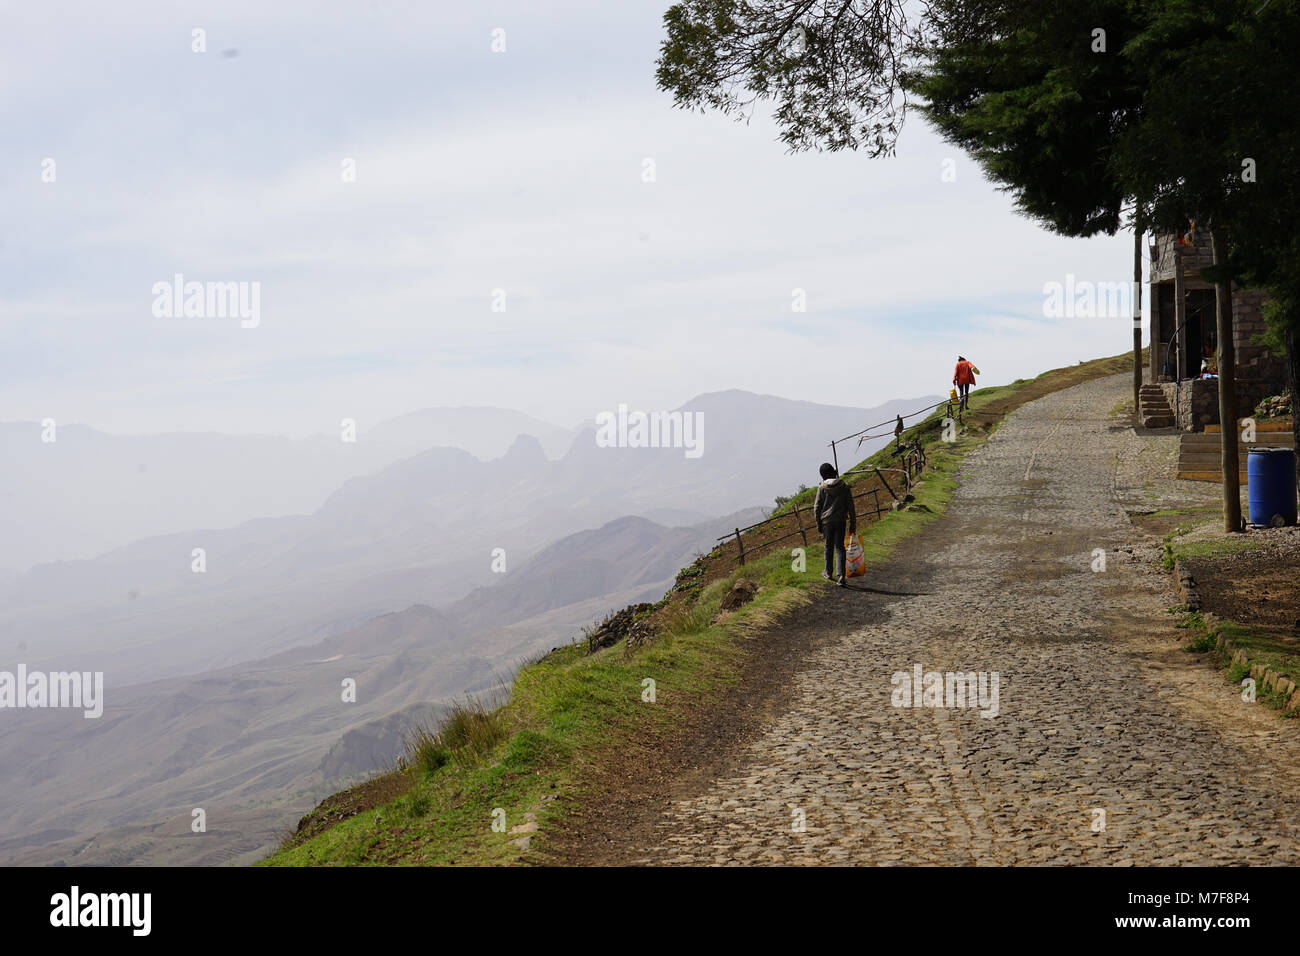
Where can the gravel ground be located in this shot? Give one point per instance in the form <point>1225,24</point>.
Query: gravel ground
<point>1258,587</point>
<point>1098,709</point>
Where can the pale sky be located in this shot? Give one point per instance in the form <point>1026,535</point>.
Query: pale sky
<point>476,171</point>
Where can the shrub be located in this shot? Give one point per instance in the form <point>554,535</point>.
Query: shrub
<point>468,732</point>
<point>418,804</point>
<point>683,618</point>
<point>425,751</point>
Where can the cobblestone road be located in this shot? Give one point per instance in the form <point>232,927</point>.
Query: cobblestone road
<point>1097,710</point>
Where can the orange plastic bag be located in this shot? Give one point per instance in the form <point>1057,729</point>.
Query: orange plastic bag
<point>855,559</point>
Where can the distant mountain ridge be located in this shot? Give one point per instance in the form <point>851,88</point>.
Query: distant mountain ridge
<point>419,531</point>
<point>88,491</point>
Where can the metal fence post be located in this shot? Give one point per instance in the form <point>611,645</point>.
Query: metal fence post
<point>802,532</point>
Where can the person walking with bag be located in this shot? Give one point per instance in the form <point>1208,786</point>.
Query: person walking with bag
<point>833,508</point>
<point>964,377</point>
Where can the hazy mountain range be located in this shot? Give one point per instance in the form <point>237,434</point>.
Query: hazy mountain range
<point>222,687</point>
<point>87,491</point>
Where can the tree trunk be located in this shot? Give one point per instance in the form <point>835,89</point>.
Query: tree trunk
<point>1137,326</point>
<point>1291,341</point>
<point>1227,396</point>
<point>1180,314</point>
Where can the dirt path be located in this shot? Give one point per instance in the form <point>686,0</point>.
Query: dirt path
<point>1098,708</point>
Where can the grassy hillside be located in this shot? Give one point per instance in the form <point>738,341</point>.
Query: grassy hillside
<point>477,789</point>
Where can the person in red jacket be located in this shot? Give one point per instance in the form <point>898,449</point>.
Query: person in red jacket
<point>963,377</point>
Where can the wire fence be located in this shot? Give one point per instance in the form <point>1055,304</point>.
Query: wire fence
<point>953,409</point>
<point>781,523</point>
<point>789,525</point>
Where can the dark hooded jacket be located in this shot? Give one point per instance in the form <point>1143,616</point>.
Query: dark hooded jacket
<point>834,504</point>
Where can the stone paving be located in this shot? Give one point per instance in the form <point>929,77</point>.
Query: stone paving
<point>1109,744</point>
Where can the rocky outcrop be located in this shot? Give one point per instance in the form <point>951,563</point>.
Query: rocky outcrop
<point>741,593</point>
<point>628,623</point>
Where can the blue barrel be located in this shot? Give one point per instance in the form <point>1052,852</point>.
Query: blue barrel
<point>1271,475</point>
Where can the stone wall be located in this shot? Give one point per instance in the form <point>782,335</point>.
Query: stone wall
<point>1254,362</point>
<point>1195,403</point>
<point>1195,257</point>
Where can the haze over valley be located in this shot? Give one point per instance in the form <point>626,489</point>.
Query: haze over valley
<point>222,686</point>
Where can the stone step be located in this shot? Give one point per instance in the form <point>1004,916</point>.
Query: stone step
<point>1203,467</point>
<point>1267,439</point>
<point>1214,476</point>
<point>1260,427</point>
<point>1214,450</point>
<point>1206,463</point>
<point>1187,454</point>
